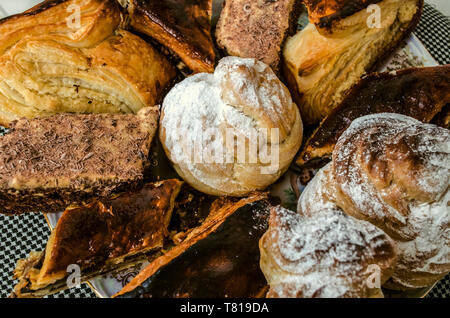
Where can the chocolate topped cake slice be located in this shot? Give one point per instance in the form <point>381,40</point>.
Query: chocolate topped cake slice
<point>49,163</point>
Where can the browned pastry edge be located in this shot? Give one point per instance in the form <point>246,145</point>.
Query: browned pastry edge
<point>199,57</point>
<point>220,211</point>
<point>420,93</point>
<point>291,82</point>
<point>292,28</point>
<point>100,237</point>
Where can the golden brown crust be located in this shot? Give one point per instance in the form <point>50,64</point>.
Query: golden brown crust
<point>420,93</point>
<point>326,13</point>
<point>256,29</point>
<point>221,211</point>
<point>324,254</point>
<point>184,26</point>
<point>51,64</point>
<point>102,235</point>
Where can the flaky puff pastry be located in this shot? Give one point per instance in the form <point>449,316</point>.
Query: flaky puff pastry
<point>52,62</point>
<point>326,255</point>
<point>324,60</point>
<point>393,171</point>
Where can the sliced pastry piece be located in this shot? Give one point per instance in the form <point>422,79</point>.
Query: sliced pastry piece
<point>100,237</point>
<point>420,93</point>
<point>49,163</point>
<point>183,26</point>
<point>344,40</point>
<point>257,29</point>
<point>326,255</point>
<point>220,258</point>
<point>51,62</point>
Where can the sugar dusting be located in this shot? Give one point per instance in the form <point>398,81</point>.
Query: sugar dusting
<point>325,255</point>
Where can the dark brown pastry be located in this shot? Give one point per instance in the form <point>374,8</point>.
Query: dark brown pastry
<point>100,237</point>
<point>420,93</point>
<point>183,26</point>
<point>218,259</point>
<point>49,163</point>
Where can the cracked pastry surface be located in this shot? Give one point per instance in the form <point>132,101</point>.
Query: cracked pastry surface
<point>231,132</point>
<point>50,63</point>
<point>256,29</point>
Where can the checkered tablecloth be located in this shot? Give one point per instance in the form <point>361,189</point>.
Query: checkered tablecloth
<point>21,234</point>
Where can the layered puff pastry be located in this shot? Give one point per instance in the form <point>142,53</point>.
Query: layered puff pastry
<point>231,132</point>
<point>100,237</point>
<point>49,163</point>
<point>421,93</point>
<point>72,56</point>
<point>182,26</point>
<point>342,41</point>
<point>394,172</point>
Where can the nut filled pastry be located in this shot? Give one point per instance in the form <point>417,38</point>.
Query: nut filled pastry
<point>100,237</point>
<point>231,132</point>
<point>327,255</point>
<point>344,39</point>
<point>393,171</point>
<point>421,93</point>
<point>49,163</point>
<point>52,62</point>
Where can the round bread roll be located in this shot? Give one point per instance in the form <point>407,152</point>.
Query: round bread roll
<point>231,132</point>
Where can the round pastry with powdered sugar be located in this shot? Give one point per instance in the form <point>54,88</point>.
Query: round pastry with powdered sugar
<point>326,255</point>
<point>394,172</point>
<point>231,132</point>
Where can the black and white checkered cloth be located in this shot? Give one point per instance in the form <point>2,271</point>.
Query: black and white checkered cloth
<point>21,234</point>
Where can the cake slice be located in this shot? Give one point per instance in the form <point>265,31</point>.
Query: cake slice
<point>49,163</point>
<point>256,29</point>
<point>183,26</point>
<point>421,93</point>
<point>100,237</point>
